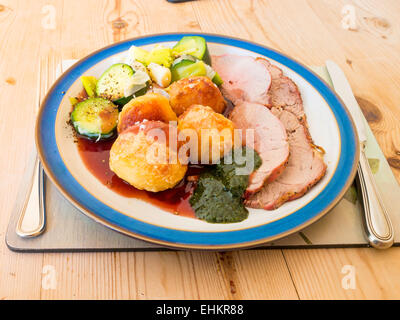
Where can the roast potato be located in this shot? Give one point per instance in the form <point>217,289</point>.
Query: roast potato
<point>142,156</point>
<point>210,134</point>
<point>195,90</point>
<point>151,106</point>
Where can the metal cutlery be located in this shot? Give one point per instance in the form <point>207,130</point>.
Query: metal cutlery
<point>32,218</point>
<point>377,224</point>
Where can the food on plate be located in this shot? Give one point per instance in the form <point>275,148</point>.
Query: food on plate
<point>160,54</point>
<point>121,82</point>
<point>123,101</point>
<point>209,132</point>
<point>192,45</point>
<point>195,90</point>
<point>270,160</point>
<point>112,83</point>
<point>136,54</point>
<point>151,106</point>
<point>244,78</point>
<point>89,83</point>
<point>305,168</point>
<point>138,66</point>
<point>284,93</point>
<point>184,68</point>
<point>268,138</point>
<point>160,74</point>
<point>284,98</point>
<point>73,101</point>
<point>141,155</point>
<point>218,194</point>
<point>188,66</point>
<point>95,118</point>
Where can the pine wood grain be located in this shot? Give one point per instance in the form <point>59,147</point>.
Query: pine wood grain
<point>310,31</point>
<point>318,273</point>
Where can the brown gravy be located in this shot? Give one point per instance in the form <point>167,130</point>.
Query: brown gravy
<point>95,156</point>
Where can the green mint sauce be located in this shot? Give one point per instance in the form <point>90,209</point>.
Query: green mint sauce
<point>218,194</point>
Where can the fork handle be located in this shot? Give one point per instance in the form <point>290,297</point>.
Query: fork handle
<point>377,224</point>
<point>32,221</point>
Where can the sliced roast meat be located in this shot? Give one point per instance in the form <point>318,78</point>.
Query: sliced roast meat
<point>270,141</point>
<point>305,167</point>
<point>284,93</point>
<point>245,78</point>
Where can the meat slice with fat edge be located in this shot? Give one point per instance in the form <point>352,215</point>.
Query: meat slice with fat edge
<point>305,167</point>
<point>284,93</point>
<point>270,141</point>
<point>244,78</point>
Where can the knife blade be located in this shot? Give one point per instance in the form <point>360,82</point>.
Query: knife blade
<point>343,89</point>
<point>377,225</point>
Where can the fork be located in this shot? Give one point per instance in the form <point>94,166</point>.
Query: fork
<point>32,217</point>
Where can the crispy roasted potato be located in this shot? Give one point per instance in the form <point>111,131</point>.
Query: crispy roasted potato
<point>142,156</point>
<point>151,106</point>
<point>210,134</point>
<point>195,90</point>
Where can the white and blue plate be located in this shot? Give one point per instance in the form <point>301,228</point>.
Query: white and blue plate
<point>330,125</point>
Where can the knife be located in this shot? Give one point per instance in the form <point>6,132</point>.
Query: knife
<point>377,224</point>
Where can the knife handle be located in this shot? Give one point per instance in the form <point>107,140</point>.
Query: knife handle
<point>377,224</point>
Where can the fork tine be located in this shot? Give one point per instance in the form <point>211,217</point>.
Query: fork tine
<point>39,85</point>
<point>52,68</point>
<point>55,66</point>
<point>47,74</point>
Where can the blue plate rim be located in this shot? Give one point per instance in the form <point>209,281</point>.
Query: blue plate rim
<point>89,205</point>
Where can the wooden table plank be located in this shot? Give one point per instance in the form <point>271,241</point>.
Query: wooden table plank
<point>20,275</point>
<point>324,273</point>
<point>308,30</point>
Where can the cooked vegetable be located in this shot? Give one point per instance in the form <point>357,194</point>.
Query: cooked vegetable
<point>159,74</point>
<point>95,118</point>
<point>136,54</point>
<point>123,101</point>
<point>151,107</point>
<point>187,68</point>
<point>218,194</point>
<point>234,180</point>
<point>161,55</point>
<point>213,75</point>
<point>114,81</point>
<point>136,85</point>
<point>217,79</point>
<point>73,101</point>
<point>138,66</point>
<point>184,57</point>
<point>129,157</point>
<point>193,45</point>
<point>137,82</point>
<point>211,133</point>
<point>195,90</point>
<point>89,83</point>
<point>212,202</point>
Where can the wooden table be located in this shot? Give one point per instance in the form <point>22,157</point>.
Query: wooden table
<point>311,31</point>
